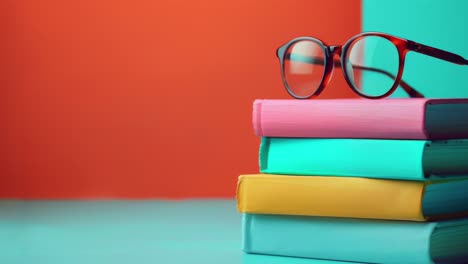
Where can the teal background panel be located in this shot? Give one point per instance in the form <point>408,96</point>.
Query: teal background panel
<point>441,24</point>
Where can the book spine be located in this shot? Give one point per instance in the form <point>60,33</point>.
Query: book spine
<point>264,153</point>
<point>392,119</point>
<point>257,117</point>
<point>371,158</point>
<point>343,239</point>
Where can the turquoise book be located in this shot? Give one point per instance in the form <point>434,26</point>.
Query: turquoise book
<point>418,160</point>
<point>356,240</point>
<point>268,259</point>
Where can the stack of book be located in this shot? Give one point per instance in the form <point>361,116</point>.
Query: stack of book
<point>375,181</point>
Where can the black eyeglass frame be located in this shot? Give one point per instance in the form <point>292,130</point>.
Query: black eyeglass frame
<point>403,46</point>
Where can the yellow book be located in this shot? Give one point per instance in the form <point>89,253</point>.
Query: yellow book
<point>352,197</point>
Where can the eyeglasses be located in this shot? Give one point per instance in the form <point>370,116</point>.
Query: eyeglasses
<point>372,64</point>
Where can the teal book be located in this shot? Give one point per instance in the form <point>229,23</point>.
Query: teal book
<point>268,259</point>
<point>373,158</point>
<point>357,240</point>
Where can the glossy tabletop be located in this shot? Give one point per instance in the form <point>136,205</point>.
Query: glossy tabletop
<point>146,231</point>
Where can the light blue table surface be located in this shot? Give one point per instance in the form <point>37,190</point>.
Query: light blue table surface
<point>148,231</point>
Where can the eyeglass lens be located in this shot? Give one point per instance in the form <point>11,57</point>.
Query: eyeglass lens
<point>372,64</point>
<point>304,67</point>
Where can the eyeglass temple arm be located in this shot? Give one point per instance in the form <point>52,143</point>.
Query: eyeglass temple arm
<point>408,89</point>
<point>437,53</point>
<point>317,60</point>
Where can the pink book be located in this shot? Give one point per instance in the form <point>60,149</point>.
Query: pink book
<point>407,118</point>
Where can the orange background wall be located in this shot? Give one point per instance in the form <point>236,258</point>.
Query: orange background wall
<point>139,99</point>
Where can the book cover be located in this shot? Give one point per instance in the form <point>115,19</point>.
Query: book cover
<point>402,118</point>
<point>359,240</point>
<point>373,158</point>
<point>269,259</point>
<point>352,197</point>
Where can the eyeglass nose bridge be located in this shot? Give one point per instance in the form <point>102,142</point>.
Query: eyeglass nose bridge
<point>331,64</point>
<point>335,50</point>
<point>332,51</point>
